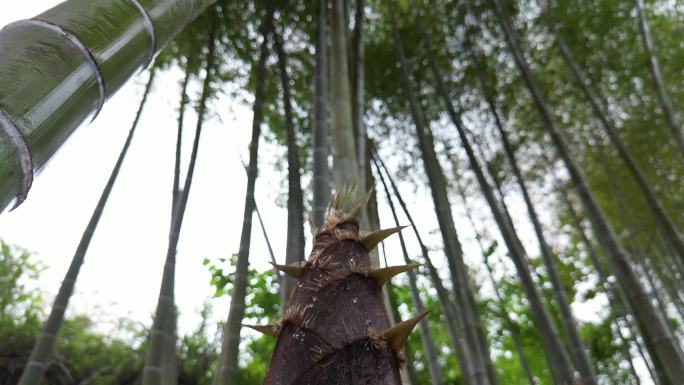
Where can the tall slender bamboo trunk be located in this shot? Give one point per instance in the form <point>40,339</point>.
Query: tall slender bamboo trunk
<point>651,321</point>
<point>42,350</point>
<point>184,100</point>
<point>72,82</point>
<point>160,358</point>
<point>409,375</point>
<point>345,170</point>
<point>631,224</point>
<point>227,371</point>
<point>453,320</point>
<point>561,368</point>
<point>578,350</point>
<point>431,358</point>
<point>512,328</point>
<point>321,150</point>
<point>617,300</point>
<point>477,349</point>
<point>267,239</point>
<point>656,73</point>
<point>169,374</point>
<point>358,95</point>
<point>668,227</point>
<point>294,251</point>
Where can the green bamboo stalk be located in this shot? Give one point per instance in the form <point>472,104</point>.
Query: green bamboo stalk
<point>658,82</point>
<point>321,147</point>
<point>453,318</point>
<point>160,355</point>
<point>652,323</point>
<point>226,373</point>
<point>42,350</point>
<point>473,335</point>
<point>358,94</point>
<point>294,250</point>
<point>663,219</point>
<point>58,68</point>
<point>560,365</point>
<point>345,165</point>
<point>408,372</point>
<point>576,346</point>
<point>512,327</point>
<point>179,135</point>
<point>616,299</point>
<point>426,336</point>
<point>267,239</point>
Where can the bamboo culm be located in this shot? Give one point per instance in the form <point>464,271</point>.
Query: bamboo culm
<point>651,321</point>
<point>512,328</point>
<point>431,357</point>
<point>345,170</point>
<point>578,350</point>
<point>358,95</point>
<point>477,350</point>
<point>294,250</point>
<point>670,230</point>
<point>658,82</point>
<point>453,320</point>
<point>562,369</point>
<point>228,361</point>
<point>42,350</point>
<point>321,150</point>
<point>160,359</point>
<point>72,82</point>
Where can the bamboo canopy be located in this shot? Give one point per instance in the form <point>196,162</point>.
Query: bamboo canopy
<point>58,69</point>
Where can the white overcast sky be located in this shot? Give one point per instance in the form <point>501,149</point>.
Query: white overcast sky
<point>122,272</point>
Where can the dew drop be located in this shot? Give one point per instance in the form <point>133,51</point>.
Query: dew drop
<point>355,300</point>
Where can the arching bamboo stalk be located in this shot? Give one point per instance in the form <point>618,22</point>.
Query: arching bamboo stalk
<point>42,350</point>
<point>72,80</point>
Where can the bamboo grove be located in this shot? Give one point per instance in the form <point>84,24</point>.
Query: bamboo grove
<point>549,136</point>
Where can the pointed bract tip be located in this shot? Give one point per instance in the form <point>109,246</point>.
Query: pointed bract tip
<point>372,239</point>
<point>269,330</point>
<point>354,213</point>
<point>396,336</point>
<point>384,274</point>
<point>342,199</point>
<point>294,271</point>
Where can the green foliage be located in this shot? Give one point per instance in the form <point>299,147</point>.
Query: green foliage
<point>19,305</point>
<point>262,307</point>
